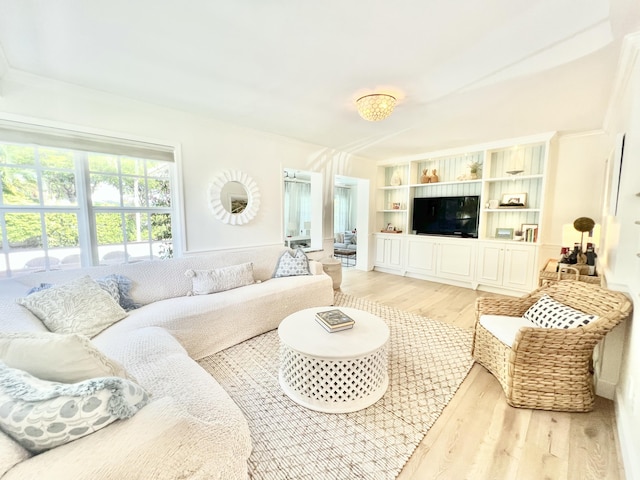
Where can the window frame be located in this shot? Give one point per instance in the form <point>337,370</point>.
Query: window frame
<point>85,211</point>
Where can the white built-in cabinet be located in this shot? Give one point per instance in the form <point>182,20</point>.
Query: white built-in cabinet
<point>510,167</point>
<point>506,264</point>
<point>449,258</point>
<point>389,251</point>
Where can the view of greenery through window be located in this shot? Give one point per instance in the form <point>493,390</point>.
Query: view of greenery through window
<point>58,206</point>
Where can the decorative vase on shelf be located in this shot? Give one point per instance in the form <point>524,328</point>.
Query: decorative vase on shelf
<point>434,176</point>
<point>396,180</point>
<point>425,178</point>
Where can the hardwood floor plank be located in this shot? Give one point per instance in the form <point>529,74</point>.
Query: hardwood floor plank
<point>479,436</point>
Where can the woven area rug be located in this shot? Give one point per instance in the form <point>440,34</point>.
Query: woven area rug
<point>428,360</point>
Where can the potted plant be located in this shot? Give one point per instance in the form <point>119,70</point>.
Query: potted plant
<point>474,168</point>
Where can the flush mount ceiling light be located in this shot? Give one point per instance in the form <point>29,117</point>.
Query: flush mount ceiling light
<point>376,106</point>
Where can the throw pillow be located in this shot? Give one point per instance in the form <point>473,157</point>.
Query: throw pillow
<point>292,264</point>
<point>348,237</point>
<point>118,286</point>
<point>41,415</point>
<point>80,306</point>
<point>66,358</point>
<point>204,282</point>
<point>548,313</point>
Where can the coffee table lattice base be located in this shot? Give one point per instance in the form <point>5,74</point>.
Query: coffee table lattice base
<point>336,386</point>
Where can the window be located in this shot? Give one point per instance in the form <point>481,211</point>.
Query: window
<point>66,208</point>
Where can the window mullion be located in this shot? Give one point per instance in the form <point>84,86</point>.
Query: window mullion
<point>87,222</point>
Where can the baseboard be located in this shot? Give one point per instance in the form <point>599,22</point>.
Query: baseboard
<point>605,389</point>
<point>628,437</point>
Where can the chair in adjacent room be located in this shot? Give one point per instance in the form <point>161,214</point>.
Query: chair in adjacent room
<point>540,346</point>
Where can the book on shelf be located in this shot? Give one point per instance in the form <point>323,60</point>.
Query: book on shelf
<point>334,320</point>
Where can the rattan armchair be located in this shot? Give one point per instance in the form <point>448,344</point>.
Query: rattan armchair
<point>549,368</point>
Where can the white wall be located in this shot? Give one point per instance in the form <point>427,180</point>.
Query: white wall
<point>207,147</point>
<point>575,184</point>
<point>622,244</point>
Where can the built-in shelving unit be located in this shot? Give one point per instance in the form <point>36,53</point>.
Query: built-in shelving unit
<point>507,168</point>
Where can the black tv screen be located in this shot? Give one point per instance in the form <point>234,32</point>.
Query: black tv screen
<point>456,216</point>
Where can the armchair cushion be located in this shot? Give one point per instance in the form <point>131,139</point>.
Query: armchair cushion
<point>548,313</point>
<point>505,328</point>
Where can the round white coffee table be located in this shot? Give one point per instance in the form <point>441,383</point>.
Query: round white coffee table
<point>335,372</point>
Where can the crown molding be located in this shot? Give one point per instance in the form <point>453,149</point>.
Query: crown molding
<point>629,54</point>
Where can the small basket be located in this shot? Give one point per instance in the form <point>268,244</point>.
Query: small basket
<point>566,273</point>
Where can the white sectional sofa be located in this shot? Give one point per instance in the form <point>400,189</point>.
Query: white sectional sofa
<point>191,428</point>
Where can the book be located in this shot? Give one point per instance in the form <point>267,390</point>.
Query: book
<point>334,320</point>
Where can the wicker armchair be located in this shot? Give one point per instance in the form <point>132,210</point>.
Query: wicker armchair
<point>549,368</point>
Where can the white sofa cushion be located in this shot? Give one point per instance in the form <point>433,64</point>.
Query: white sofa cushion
<point>505,328</point>
<point>11,453</point>
<point>80,306</point>
<point>549,313</point>
<point>220,279</point>
<point>41,415</point>
<point>67,358</point>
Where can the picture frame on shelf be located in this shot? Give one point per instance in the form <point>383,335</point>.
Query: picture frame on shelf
<point>514,200</point>
<point>504,233</point>
<point>530,232</point>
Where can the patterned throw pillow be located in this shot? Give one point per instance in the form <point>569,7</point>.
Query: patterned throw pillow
<point>292,264</point>
<point>80,306</point>
<point>220,279</point>
<point>548,313</point>
<point>118,286</point>
<point>56,357</point>
<point>41,415</point>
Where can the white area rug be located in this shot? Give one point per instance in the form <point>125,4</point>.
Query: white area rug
<point>428,360</point>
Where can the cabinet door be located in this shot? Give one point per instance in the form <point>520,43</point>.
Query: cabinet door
<point>490,263</point>
<point>380,253</point>
<point>456,260</point>
<point>394,249</point>
<point>421,256</point>
<point>519,266</point>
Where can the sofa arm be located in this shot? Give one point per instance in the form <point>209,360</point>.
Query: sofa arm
<point>161,442</point>
<point>315,267</point>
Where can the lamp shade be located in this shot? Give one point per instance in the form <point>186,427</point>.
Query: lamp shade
<point>376,106</point>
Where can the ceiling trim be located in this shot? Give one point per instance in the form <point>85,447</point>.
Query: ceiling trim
<point>507,142</point>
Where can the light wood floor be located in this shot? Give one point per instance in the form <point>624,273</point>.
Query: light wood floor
<point>479,436</point>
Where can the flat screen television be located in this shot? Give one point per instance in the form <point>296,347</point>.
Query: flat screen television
<point>454,216</point>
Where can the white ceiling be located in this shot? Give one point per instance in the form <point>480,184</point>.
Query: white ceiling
<point>464,71</point>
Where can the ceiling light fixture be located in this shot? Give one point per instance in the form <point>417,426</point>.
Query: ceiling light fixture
<point>376,106</point>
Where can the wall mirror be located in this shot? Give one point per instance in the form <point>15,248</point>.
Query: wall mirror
<point>302,209</point>
<point>234,197</point>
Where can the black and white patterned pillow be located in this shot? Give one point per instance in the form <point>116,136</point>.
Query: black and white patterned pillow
<point>291,265</point>
<point>547,313</point>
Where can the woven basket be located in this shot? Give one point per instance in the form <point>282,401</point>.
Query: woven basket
<point>567,273</point>
<point>549,368</point>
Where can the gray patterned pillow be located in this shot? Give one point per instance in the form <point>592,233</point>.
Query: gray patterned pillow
<point>41,415</point>
<point>220,279</point>
<point>80,306</point>
<point>548,313</point>
<point>56,357</point>
<point>292,264</point>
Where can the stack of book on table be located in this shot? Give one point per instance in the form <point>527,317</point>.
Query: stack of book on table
<point>334,320</point>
